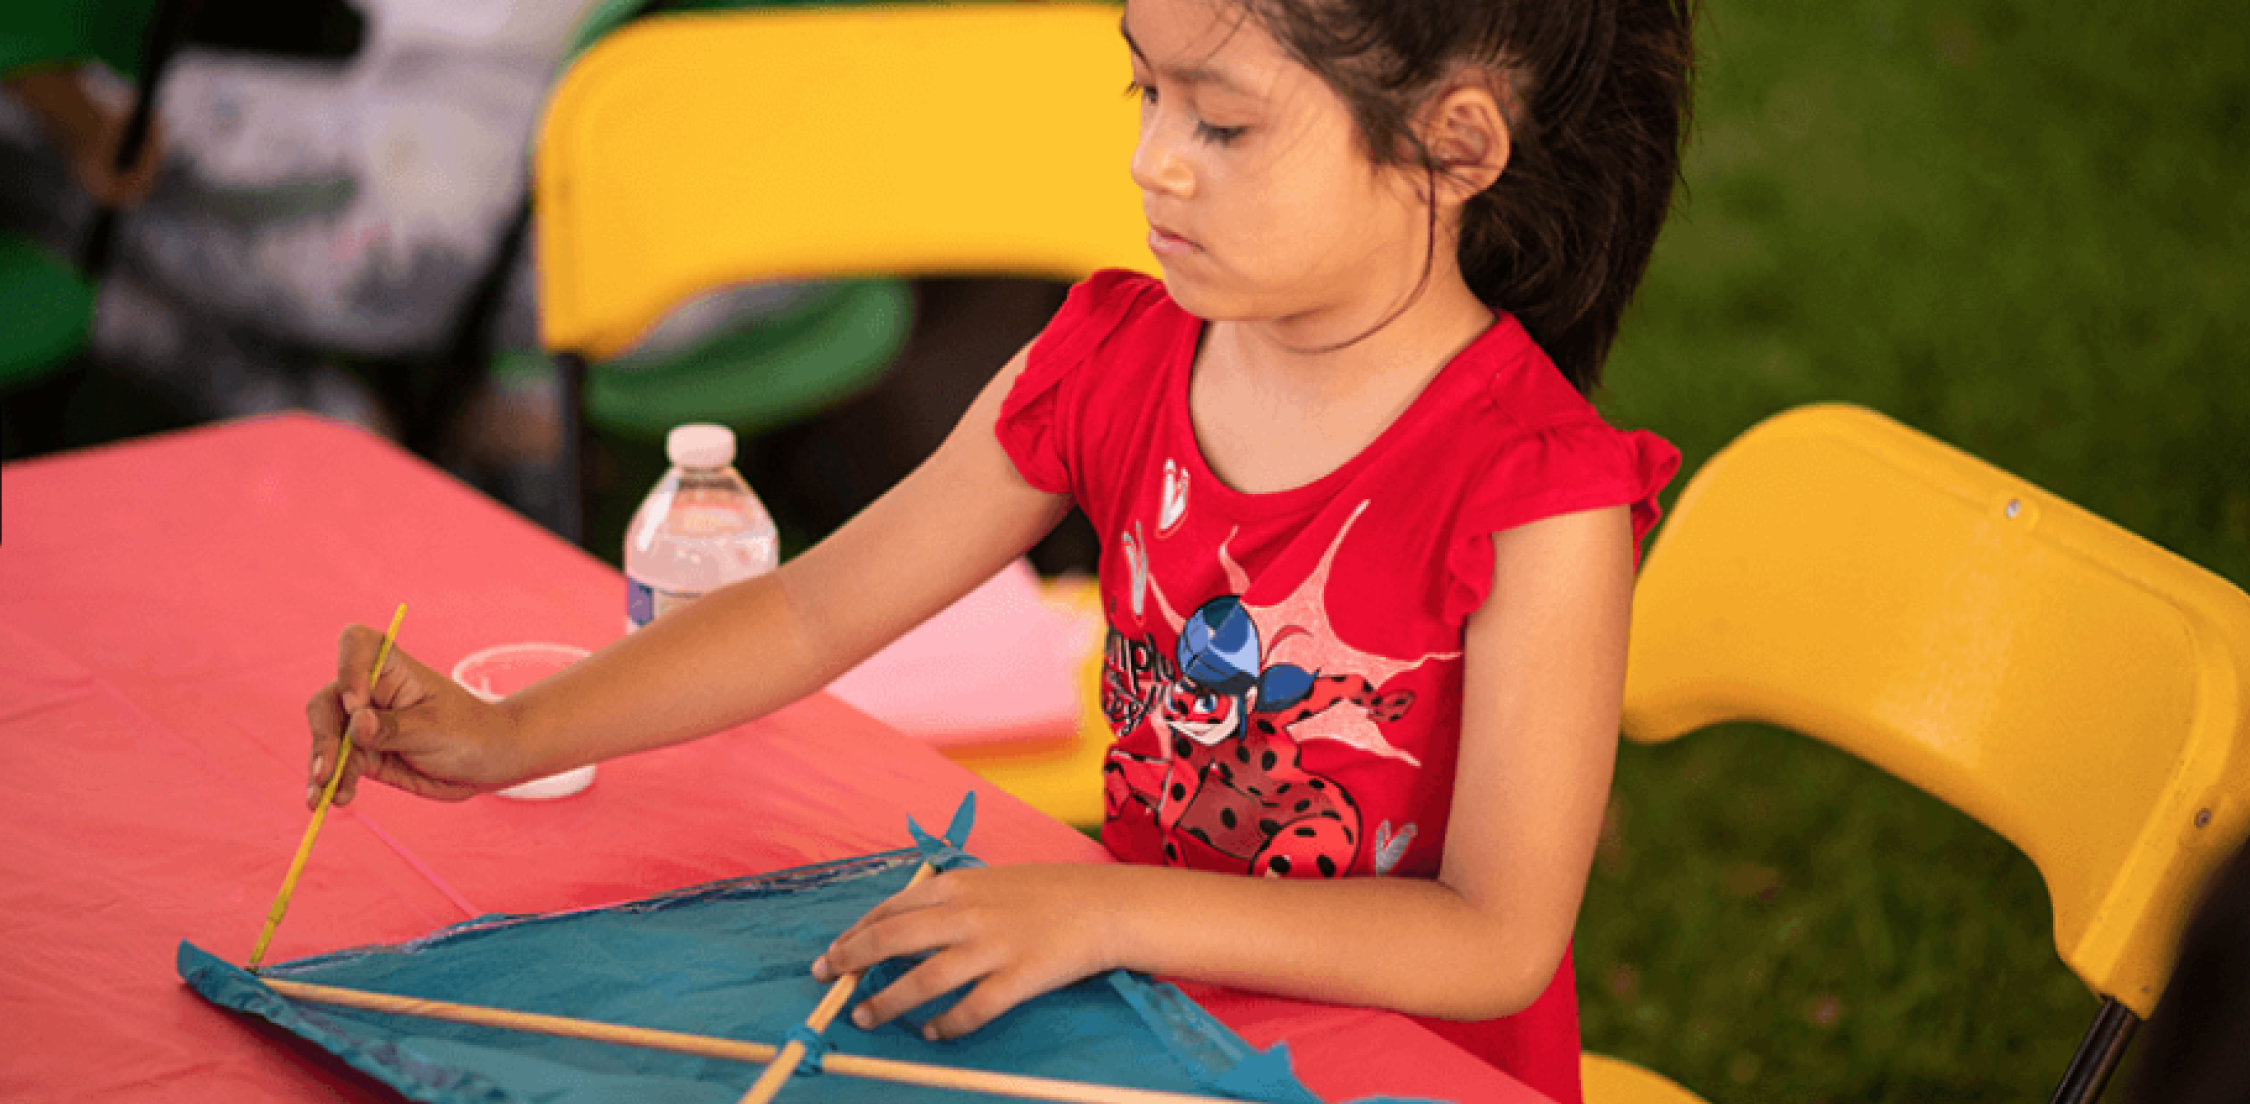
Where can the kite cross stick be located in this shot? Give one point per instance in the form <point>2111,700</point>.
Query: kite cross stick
<point>320,811</point>
<point>1021,1086</point>
<point>778,1072</point>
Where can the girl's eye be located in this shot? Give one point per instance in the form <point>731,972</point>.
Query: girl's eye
<point>1218,135</point>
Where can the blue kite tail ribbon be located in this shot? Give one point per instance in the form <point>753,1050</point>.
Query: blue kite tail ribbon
<point>816,1049</point>
<point>949,853</point>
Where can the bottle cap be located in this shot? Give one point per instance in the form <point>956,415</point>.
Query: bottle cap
<point>700,445</point>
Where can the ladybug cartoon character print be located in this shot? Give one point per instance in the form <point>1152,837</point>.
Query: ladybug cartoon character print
<point>1209,730</point>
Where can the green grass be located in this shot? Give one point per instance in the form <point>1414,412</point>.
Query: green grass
<point>1772,920</point>
<point>2024,229</point>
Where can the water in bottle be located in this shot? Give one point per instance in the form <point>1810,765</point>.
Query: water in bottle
<point>699,529</point>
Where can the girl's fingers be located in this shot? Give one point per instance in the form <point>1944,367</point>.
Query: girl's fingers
<point>397,684</point>
<point>376,729</point>
<point>347,787</point>
<point>325,717</point>
<point>902,925</point>
<point>1006,936</point>
<point>990,1000</point>
<point>942,973</point>
<point>355,655</point>
<point>409,727</point>
<point>377,741</point>
<point>400,683</point>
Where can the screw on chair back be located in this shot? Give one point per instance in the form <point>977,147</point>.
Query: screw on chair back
<point>2074,688</point>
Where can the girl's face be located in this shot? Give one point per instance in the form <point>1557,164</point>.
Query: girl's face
<point>1261,200</point>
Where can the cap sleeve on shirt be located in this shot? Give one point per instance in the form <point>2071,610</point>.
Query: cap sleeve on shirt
<point>1579,465</point>
<point>1030,428</point>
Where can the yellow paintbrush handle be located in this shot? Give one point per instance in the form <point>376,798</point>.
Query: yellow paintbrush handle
<point>320,811</point>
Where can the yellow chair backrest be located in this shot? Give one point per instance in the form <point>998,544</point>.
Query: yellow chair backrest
<point>1606,1080</point>
<point>2075,688</point>
<point>699,150</point>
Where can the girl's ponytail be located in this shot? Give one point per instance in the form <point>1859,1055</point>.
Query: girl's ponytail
<point>1596,93</point>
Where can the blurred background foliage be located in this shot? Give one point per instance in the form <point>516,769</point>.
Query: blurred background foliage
<point>2021,228</point>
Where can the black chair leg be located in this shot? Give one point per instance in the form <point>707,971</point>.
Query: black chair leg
<point>165,31</point>
<point>2097,1054</point>
<point>576,504</point>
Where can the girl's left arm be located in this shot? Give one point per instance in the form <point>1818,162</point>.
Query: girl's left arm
<point>1543,689</point>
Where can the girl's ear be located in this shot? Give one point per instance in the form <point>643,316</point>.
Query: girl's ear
<point>1467,134</point>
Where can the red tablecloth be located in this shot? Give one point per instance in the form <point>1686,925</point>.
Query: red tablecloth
<point>166,607</point>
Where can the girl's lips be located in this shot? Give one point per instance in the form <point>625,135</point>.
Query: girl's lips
<point>1165,243</point>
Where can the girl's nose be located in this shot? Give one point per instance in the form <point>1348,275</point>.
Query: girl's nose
<point>1157,165</point>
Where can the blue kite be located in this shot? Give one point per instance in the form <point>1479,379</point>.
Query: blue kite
<point>726,960</point>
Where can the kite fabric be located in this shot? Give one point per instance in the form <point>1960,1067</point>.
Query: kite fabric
<point>729,959</point>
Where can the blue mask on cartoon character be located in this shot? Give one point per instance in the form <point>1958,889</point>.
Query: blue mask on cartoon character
<point>1219,654</point>
<point>1219,647</point>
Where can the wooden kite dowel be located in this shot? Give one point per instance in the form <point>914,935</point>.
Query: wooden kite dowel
<point>1020,1086</point>
<point>704,1046</point>
<point>784,1065</point>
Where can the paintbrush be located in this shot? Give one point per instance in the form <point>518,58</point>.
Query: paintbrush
<point>320,811</point>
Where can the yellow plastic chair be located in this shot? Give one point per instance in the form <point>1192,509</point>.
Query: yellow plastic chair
<point>1606,1080</point>
<point>2074,688</point>
<point>701,150</point>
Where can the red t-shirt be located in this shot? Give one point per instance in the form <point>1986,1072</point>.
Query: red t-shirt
<point>1284,670</point>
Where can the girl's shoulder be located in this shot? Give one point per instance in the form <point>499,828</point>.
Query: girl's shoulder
<point>1064,401</point>
<point>1519,387</point>
<point>1105,305</point>
<point>1545,449</point>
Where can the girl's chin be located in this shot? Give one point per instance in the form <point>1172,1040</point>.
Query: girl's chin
<point>1199,297</point>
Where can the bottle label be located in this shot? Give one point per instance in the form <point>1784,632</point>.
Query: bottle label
<point>644,603</point>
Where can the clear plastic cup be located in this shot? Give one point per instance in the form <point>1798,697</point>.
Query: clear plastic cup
<point>503,669</point>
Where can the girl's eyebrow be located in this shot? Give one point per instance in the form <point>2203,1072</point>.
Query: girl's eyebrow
<point>1195,74</point>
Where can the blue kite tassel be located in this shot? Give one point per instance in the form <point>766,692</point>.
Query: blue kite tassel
<point>950,853</point>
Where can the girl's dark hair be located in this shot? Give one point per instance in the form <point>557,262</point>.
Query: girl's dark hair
<point>2197,1046</point>
<point>1596,95</point>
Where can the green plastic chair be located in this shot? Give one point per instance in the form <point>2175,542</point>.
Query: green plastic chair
<point>46,305</point>
<point>45,310</point>
<point>763,375</point>
<point>755,377</point>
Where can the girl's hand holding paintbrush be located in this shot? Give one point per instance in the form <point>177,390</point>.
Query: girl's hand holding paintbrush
<point>413,728</point>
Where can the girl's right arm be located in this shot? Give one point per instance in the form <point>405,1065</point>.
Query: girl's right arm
<point>735,654</point>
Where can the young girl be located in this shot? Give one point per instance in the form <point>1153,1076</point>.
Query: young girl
<point>1368,550</point>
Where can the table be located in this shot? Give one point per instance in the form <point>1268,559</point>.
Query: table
<point>166,607</point>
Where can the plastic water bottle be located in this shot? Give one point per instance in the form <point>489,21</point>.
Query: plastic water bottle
<point>699,529</point>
